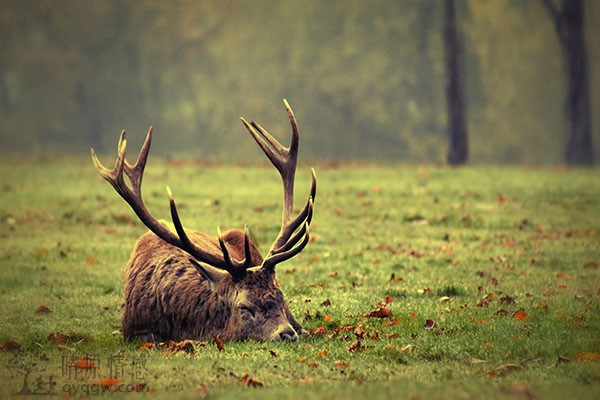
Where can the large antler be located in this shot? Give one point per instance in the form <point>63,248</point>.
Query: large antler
<point>294,233</point>
<point>133,196</point>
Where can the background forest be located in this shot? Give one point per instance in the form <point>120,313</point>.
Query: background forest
<point>365,78</point>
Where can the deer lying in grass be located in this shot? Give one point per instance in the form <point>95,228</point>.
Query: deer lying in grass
<point>189,285</point>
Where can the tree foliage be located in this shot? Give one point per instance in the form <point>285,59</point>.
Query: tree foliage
<point>366,79</point>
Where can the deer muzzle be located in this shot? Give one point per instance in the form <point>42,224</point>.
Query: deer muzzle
<point>285,333</point>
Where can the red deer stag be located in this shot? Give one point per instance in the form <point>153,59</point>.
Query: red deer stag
<point>182,284</point>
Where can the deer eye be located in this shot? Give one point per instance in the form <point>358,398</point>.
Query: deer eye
<point>248,310</point>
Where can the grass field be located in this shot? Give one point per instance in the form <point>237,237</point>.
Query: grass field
<point>491,276</point>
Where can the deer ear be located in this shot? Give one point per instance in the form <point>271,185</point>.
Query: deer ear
<point>211,274</point>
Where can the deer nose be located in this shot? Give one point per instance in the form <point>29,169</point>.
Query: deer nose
<point>288,335</point>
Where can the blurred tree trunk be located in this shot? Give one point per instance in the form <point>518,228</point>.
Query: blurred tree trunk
<point>568,22</point>
<point>457,126</point>
<point>4,99</point>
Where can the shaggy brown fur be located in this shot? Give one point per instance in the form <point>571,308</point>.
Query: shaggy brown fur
<point>168,297</point>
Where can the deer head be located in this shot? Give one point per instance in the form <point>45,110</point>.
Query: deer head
<point>184,284</point>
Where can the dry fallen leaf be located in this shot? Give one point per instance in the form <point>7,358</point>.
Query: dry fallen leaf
<point>62,338</point>
<point>587,356</point>
<point>185,345</point>
<point>355,347</point>
<point>250,382</point>
<point>380,313</point>
<point>405,347</point>
<point>507,300</point>
<point>507,368</point>
<point>429,324</point>
<point>219,343</point>
<point>107,382</point>
<point>10,345</point>
<point>521,314</point>
<point>171,346</point>
<point>447,250</point>
<point>394,321</point>
<point>42,310</point>
<point>321,330</point>
<point>141,387</point>
<point>385,302</point>
<point>416,254</point>
<point>147,345</point>
<point>85,363</point>
<point>503,370</point>
<point>359,332</point>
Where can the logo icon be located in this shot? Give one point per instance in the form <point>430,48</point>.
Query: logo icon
<point>31,367</point>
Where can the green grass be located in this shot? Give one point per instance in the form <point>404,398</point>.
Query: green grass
<point>465,248</point>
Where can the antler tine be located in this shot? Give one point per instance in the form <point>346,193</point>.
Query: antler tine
<point>132,195</point>
<point>304,216</point>
<point>114,176</point>
<point>102,170</point>
<point>185,240</point>
<point>187,245</point>
<point>294,125</point>
<point>247,262</point>
<point>274,150</point>
<point>286,245</point>
<point>225,252</point>
<point>293,240</point>
<point>294,234</point>
<point>277,153</point>
<point>270,262</point>
<point>236,268</point>
<point>283,158</point>
<point>135,172</point>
